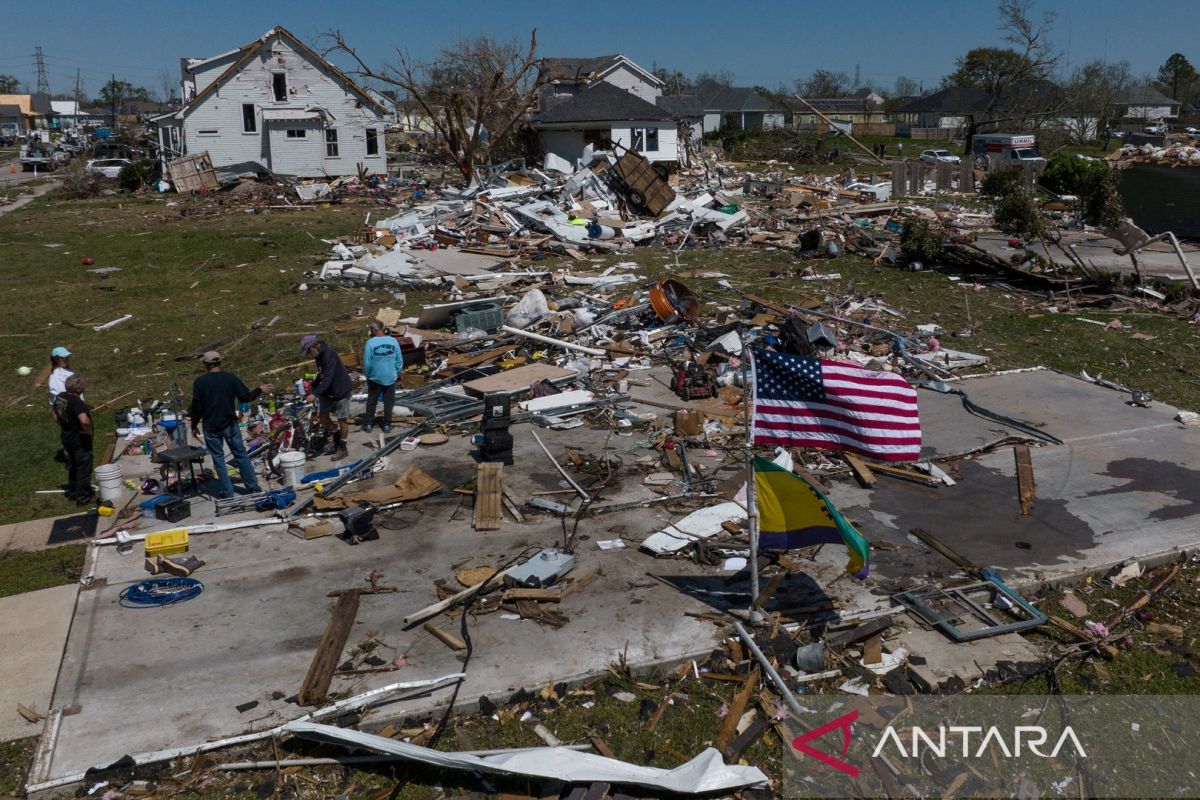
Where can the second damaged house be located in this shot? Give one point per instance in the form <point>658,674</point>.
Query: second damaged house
<point>275,106</point>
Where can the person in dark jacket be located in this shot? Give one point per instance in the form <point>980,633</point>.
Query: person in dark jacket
<point>215,396</point>
<point>76,433</point>
<point>331,392</point>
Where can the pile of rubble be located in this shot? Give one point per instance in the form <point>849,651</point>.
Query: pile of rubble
<point>1183,154</point>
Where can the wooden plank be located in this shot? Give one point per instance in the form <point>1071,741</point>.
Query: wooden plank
<point>329,651</point>
<point>537,595</point>
<point>732,752</point>
<point>860,470</point>
<point>1026,487</point>
<point>840,639</point>
<point>736,709</point>
<point>898,472</point>
<point>487,496</point>
<point>445,637</point>
<point>518,379</point>
<point>873,650</point>
<point>943,548</point>
<point>511,504</point>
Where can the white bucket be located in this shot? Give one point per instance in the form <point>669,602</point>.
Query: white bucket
<point>109,477</point>
<point>292,464</point>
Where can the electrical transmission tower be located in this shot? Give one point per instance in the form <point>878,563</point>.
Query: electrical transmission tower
<point>43,82</point>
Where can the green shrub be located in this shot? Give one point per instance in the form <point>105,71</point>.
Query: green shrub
<point>1094,182</point>
<point>136,175</point>
<point>921,241</point>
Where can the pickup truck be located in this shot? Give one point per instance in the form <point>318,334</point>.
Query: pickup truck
<point>1157,128</point>
<point>37,155</point>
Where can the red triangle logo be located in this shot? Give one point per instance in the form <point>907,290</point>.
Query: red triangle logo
<point>843,724</point>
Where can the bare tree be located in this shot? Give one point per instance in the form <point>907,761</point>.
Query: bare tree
<point>1092,94</point>
<point>824,83</point>
<point>1010,77</point>
<point>166,84</point>
<point>475,92</point>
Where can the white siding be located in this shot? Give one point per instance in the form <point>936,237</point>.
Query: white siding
<point>668,139</point>
<point>302,157</point>
<point>204,75</point>
<point>630,81</point>
<point>713,121</point>
<point>310,86</point>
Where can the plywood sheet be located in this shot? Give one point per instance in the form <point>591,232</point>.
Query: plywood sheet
<point>487,496</point>
<point>517,380</point>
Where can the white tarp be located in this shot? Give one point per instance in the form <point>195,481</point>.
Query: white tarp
<point>698,525</point>
<point>703,774</point>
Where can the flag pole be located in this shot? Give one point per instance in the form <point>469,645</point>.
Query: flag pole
<point>755,615</point>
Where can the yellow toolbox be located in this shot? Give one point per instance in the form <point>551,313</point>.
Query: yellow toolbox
<point>167,543</point>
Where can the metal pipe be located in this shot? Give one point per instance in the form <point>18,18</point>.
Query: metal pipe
<point>775,677</point>
<point>591,351</point>
<point>584,495</point>
<point>748,386</point>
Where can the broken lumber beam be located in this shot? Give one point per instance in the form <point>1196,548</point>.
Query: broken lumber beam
<point>860,469</point>
<point>1026,488</point>
<point>487,496</point>
<point>840,639</point>
<point>908,474</point>
<point>1144,598</point>
<point>943,548</point>
<point>329,651</point>
<point>732,752</point>
<point>736,708</point>
<point>445,637</point>
<point>1106,649</point>
<point>537,595</point>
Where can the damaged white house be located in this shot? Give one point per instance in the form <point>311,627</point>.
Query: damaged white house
<point>275,106</point>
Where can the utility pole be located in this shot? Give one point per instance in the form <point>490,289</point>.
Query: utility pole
<point>78,95</point>
<point>43,82</point>
<point>112,97</point>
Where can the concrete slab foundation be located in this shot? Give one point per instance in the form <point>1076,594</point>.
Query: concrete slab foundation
<point>33,627</point>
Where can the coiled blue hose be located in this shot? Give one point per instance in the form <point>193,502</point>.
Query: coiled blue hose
<point>159,592</point>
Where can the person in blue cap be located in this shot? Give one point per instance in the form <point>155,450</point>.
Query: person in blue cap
<point>60,370</point>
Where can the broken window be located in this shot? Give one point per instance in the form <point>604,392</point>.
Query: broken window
<point>279,85</point>
<point>644,140</point>
<point>249,120</point>
<point>372,142</point>
<point>331,143</point>
<point>295,133</point>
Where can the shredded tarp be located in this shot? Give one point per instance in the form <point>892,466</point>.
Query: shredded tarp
<point>703,774</point>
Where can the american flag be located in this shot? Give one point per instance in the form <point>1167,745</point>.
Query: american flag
<point>803,401</point>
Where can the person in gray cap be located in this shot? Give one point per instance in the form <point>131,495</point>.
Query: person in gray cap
<point>331,392</point>
<point>215,396</point>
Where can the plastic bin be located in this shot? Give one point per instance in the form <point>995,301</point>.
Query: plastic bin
<point>167,543</point>
<point>487,317</point>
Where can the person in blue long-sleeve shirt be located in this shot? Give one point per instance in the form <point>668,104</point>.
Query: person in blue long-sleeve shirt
<point>382,363</point>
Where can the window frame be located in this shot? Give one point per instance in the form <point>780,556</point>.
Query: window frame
<point>372,137</point>
<point>332,149</point>
<point>208,132</point>
<point>295,133</point>
<point>651,139</point>
<point>637,139</point>
<point>279,81</point>
<point>251,118</point>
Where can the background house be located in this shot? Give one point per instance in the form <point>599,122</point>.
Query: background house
<point>688,113</point>
<point>740,108</point>
<point>604,112</point>
<point>565,77</point>
<point>864,108</point>
<point>33,111</point>
<point>275,106</point>
<point>949,108</point>
<point>1145,104</point>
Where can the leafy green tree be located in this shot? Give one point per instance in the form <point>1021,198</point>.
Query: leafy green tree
<point>1178,74</point>
<point>8,84</point>
<point>1093,182</point>
<point>118,93</point>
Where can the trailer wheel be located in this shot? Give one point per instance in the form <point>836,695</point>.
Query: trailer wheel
<point>636,198</point>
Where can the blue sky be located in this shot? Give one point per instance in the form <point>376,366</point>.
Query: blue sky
<point>764,43</point>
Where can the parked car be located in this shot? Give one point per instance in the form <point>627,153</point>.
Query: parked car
<point>1192,133</point>
<point>1157,128</point>
<point>939,157</point>
<point>108,167</point>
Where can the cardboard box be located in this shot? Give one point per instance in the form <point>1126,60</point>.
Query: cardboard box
<point>688,423</point>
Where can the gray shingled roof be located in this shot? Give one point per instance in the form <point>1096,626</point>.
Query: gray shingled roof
<point>602,102</point>
<point>1147,96</point>
<point>10,111</point>
<point>735,98</point>
<point>681,106</point>
<point>953,100</point>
